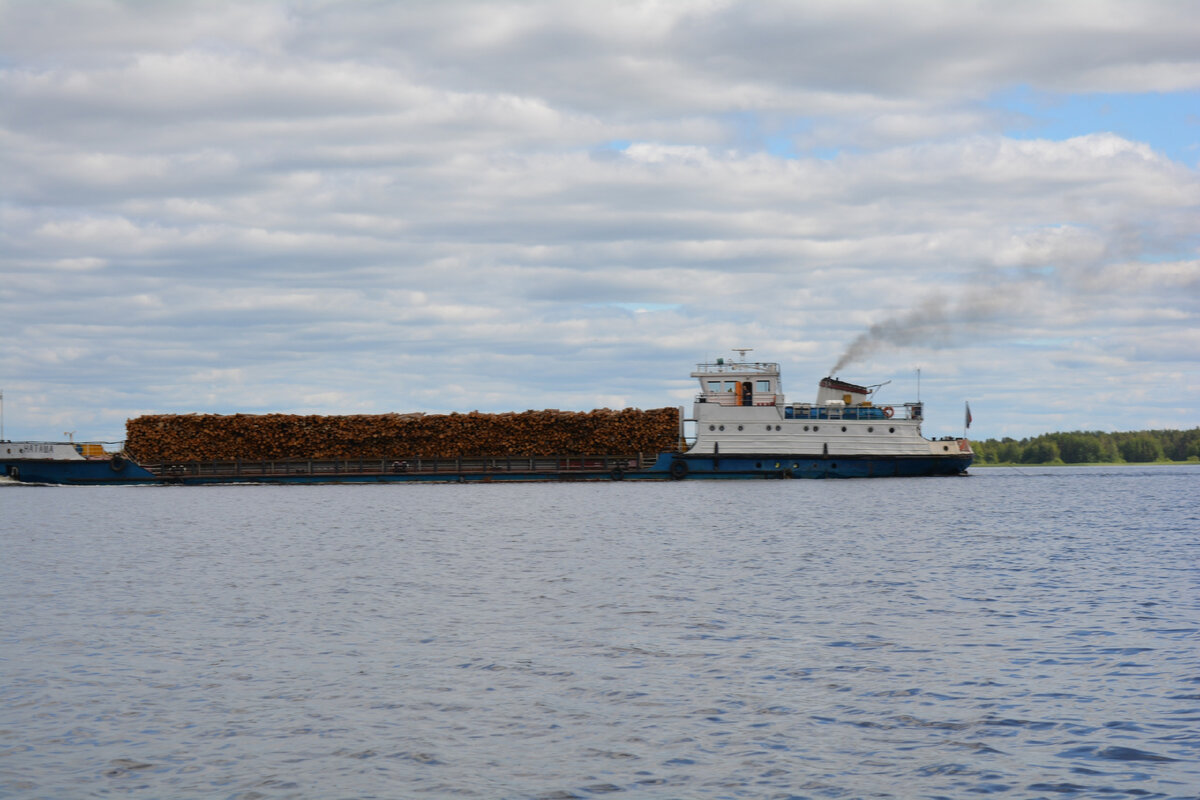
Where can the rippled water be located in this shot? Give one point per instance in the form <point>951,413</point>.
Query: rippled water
<point>1029,632</point>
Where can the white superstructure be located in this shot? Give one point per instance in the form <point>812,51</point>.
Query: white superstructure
<point>41,451</point>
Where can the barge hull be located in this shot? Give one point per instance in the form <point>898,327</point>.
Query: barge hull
<point>666,466</point>
<point>124,472</point>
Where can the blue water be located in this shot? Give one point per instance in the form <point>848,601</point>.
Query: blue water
<point>1027,633</point>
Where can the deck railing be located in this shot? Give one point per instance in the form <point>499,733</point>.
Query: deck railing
<point>725,367</point>
<point>536,465</point>
<point>879,412</point>
<point>731,399</point>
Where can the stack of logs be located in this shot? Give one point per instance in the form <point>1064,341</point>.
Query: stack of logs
<point>263,437</point>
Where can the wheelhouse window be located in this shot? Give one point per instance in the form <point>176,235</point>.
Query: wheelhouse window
<point>762,386</point>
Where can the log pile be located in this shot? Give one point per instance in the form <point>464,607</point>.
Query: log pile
<point>269,437</point>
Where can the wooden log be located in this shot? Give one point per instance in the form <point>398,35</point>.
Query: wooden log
<point>213,437</point>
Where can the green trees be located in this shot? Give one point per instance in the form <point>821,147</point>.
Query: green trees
<point>1092,447</point>
<point>1192,449</point>
<point>1141,448</point>
<point>1078,448</point>
<point>1042,450</point>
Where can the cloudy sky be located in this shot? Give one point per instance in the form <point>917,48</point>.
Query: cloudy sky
<point>322,207</point>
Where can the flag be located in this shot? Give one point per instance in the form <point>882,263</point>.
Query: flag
<point>968,415</point>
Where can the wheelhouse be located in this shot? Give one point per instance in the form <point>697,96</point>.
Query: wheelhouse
<point>741,383</point>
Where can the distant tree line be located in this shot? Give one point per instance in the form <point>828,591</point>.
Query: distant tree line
<point>1091,447</point>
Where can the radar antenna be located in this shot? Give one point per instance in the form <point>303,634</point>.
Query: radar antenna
<point>741,351</point>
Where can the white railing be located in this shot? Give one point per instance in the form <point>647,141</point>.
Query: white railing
<point>723,368</point>
<point>730,399</point>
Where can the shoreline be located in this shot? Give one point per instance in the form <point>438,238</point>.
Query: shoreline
<point>1090,464</point>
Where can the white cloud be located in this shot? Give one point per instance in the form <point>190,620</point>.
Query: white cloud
<point>283,206</point>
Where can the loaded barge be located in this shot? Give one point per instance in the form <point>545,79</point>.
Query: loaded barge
<point>743,428</point>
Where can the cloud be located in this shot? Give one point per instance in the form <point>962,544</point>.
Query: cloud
<point>295,206</point>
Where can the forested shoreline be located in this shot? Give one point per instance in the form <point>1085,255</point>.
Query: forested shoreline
<point>1092,447</point>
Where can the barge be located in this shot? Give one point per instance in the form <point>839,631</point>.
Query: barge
<point>742,427</point>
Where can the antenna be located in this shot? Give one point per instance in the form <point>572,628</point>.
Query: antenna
<point>741,351</point>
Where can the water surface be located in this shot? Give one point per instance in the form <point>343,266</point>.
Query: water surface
<point>1034,633</point>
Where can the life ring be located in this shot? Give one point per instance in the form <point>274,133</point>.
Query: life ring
<point>679,470</point>
<point>888,411</point>
<point>117,463</point>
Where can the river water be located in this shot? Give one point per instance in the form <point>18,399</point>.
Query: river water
<point>1024,632</point>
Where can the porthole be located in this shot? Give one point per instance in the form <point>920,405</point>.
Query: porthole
<point>778,428</point>
<point>870,429</point>
<point>758,465</point>
<point>805,427</point>
<point>843,429</point>
<point>768,427</point>
<point>891,430</point>
<point>721,428</point>
<point>776,465</point>
<point>795,465</point>
<point>739,427</point>
<point>816,428</point>
<point>834,466</point>
<point>712,427</point>
<point>944,447</point>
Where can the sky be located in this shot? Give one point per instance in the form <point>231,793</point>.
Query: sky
<point>353,208</point>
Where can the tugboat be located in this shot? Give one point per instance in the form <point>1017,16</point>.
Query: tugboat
<point>744,428</point>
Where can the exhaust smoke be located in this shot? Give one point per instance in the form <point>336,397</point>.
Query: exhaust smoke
<point>936,322</point>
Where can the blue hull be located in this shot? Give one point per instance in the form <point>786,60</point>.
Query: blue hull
<point>77,473</point>
<point>668,466</point>
<point>681,467</point>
